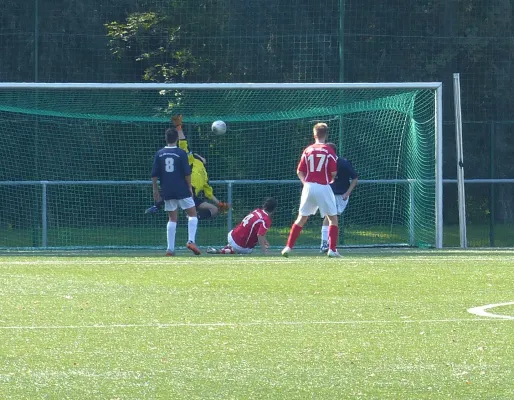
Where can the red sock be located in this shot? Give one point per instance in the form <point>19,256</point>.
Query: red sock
<point>227,250</point>
<point>293,235</point>
<point>333,233</point>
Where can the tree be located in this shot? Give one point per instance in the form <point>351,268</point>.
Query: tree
<point>228,41</point>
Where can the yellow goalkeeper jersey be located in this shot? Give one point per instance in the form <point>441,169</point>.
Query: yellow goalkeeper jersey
<point>199,177</point>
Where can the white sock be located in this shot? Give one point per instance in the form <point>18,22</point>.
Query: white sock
<point>324,233</point>
<point>172,230</point>
<point>192,224</point>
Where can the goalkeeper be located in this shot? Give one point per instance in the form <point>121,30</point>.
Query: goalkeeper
<point>202,191</point>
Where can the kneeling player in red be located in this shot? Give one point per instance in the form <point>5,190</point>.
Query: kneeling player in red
<point>250,231</point>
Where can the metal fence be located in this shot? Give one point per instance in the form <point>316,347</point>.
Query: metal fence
<point>487,228</point>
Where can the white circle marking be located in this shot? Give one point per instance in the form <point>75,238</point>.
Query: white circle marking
<point>482,310</point>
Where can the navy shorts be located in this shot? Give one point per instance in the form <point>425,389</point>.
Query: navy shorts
<point>198,200</point>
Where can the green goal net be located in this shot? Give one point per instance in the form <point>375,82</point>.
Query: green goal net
<point>76,159</point>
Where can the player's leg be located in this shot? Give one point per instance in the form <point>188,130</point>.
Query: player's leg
<point>214,250</point>
<point>324,236</point>
<point>294,233</point>
<point>308,207</point>
<point>171,229</point>
<point>341,206</point>
<point>206,210</point>
<point>235,247</point>
<point>333,233</point>
<point>328,207</point>
<point>192,223</point>
<point>228,249</point>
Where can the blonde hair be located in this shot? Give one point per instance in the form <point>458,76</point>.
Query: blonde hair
<point>320,130</point>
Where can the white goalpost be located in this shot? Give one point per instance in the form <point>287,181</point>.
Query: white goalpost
<point>392,132</point>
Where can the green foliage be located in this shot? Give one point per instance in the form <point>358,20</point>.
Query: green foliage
<point>151,39</point>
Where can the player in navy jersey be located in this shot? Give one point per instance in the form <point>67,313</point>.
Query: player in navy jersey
<point>171,168</point>
<point>343,185</point>
<point>317,169</point>
<point>250,231</point>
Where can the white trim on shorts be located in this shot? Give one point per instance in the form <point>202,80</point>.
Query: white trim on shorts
<point>237,249</point>
<point>184,204</point>
<point>314,196</point>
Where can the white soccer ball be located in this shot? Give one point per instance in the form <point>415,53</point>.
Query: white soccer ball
<point>219,127</point>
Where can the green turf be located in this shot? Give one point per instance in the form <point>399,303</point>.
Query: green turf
<point>379,324</point>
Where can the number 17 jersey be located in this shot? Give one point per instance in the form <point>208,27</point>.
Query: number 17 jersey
<point>318,161</point>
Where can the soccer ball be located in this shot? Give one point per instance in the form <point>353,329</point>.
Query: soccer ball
<point>219,127</point>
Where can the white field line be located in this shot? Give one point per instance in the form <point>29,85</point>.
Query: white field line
<point>245,324</point>
<point>482,311</point>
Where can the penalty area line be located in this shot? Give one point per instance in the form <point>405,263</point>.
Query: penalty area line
<point>243,324</point>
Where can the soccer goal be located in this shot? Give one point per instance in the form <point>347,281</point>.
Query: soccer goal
<point>76,159</point>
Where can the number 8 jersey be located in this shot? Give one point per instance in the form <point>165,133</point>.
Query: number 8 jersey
<point>318,161</point>
<point>171,167</point>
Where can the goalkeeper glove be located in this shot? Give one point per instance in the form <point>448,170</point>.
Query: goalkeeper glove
<point>177,121</point>
<point>223,206</point>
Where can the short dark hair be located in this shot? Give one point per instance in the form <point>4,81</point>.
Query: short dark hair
<point>321,130</point>
<point>171,135</point>
<point>333,146</point>
<point>270,204</point>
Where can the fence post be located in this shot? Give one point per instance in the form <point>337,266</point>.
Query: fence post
<point>44,214</point>
<point>412,238</point>
<point>492,201</point>
<point>229,200</point>
<point>36,41</point>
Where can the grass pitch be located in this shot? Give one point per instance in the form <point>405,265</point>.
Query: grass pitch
<point>378,324</point>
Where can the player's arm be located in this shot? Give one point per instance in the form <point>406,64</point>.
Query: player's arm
<point>332,165</point>
<point>155,189</point>
<point>301,170</point>
<point>182,143</point>
<point>263,243</point>
<point>155,177</point>
<point>261,237</point>
<point>177,122</point>
<point>301,175</point>
<point>353,183</point>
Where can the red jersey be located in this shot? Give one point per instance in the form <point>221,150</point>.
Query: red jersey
<point>317,163</point>
<point>255,223</point>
